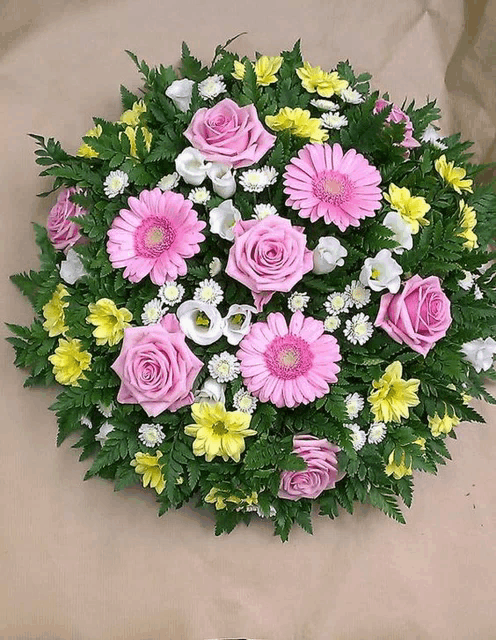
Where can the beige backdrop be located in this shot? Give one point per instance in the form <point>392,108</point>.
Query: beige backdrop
<point>79,562</point>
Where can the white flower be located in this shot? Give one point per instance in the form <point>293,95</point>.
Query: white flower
<point>358,437</point>
<point>102,435</point>
<point>171,293</point>
<point>200,321</point>
<point>215,267</point>
<point>377,432</point>
<point>328,254</point>
<point>478,295</point>
<point>253,180</point>
<point>209,291</point>
<point>468,280</point>
<point>333,120</point>
<point>298,301</point>
<point>211,392</point>
<point>211,87</point>
<point>381,272</point>
<point>358,294</point>
<point>256,509</point>
<point>270,174</point>
<point>354,404</point>
<point>480,353</point>
<point>180,92</point>
<point>152,311</point>
<point>115,183</point>
<point>324,105</point>
<point>151,435</point>
<point>86,422</point>
<point>200,195</point>
<point>191,166</point>
<point>105,409</point>
<point>223,218</point>
<point>359,329</point>
<point>337,303</point>
<point>168,182</point>
<point>431,135</point>
<point>237,322</point>
<point>401,229</point>
<point>331,323</point>
<point>224,367</point>
<point>222,177</point>
<point>263,210</point>
<point>352,96</point>
<point>244,401</point>
<point>72,268</point>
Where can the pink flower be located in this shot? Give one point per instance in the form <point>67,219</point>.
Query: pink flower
<point>288,365</point>
<point>154,236</point>
<point>268,255</point>
<point>156,367</point>
<point>321,472</point>
<point>397,115</point>
<point>418,316</point>
<point>63,232</point>
<point>229,134</point>
<point>321,182</point>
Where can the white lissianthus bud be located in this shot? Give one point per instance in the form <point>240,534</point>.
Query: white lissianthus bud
<point>222,177</point>
<point>180,92</point>
<point>211,392</point>
<point>381,272</point>
<point>401,229</point>
<point>223,218</point>
<point>72,268</point>
<point>191,166</point>
<point>328,254</point>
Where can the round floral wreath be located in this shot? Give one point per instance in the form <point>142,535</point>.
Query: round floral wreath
<point>262,287</point>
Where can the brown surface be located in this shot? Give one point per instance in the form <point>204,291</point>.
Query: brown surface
<point>82,563</point>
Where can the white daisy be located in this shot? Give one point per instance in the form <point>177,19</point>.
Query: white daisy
<point>224,367</point>
<point>209,291</point>
<point>152,311</point>
<point>86,422</point>
<point>151,435</point>
<point>102,435</point>
<point>253,180</point>
<point>359,329</point>
<point>298,301</point>
<point>331,323</point>
<point>200,195</point>
<point>244,401</point>
<point>168,182</point>
<point>358,294</point>
<point>467,282</point>
<point>377,432</point>
<point>352,96</point>
<point>324,105</point>
<point>270,175</point>
<point>358,437</point>
<point>354,404</point>
<point>105,409</point>
<point>333,120</point>
<point>115,183</point>
<point>211,87</point>
<point>214,267</point>
<point>263,210</point>
<point>171,293</point>
<point>337,303</point>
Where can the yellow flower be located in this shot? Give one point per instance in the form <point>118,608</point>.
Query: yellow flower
<point>439,425</point>
<point>53,312</point>
<point>411,208</point>
<point>266,68</point>
<point>453,175</point>
<point>314,79</point>
<point>467,223</point>
<point>219,497</point>
<point>150,468</point>
<point>85,150</point>
<point>218,432</point>
<point>393,395</point>
<point>400,470</point>
<point>131,117</point>
<point>109,321</point>
<point>130,132</point>
<point>299,122</point>
<point>69,361</point>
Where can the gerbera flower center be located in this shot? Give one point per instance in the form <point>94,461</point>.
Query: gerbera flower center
<point>219,428</point>
<point>332,187</point>
<point>154,236</point>
<point>288,357</point>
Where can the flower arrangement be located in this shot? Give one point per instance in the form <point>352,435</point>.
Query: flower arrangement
<point>265,286</point>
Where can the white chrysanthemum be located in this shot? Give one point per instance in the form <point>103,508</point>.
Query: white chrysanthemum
<point>211,392</point>
<point>153,311</point>
<point>105,409</point>
<point>358,437</point>
<point>333,120</point>
<point>270,174</point>
<point>72,268</point>
<point>211,87</point>
<point>215,267</point>
<point>480,353</point>
<point>171,293</point>
<point>209,291</point>
<point>467,282</point>
<point>200,195</point>
<point>352,96</point>
<point>377,432</point>
<point>359,329</point>
<point>253,180</point>
<point>354,404</point>
<point>324,105</point>
<point>358,294</point>
<point>151,435</point>
<point>168,182</point>
<point>298,301</point>
<point>115,183</point>
<point>244,401</point>
<point>331,323</point>
<point>337,303</point>
<point>263,210</point>
<point>103,433</point>
<point>224,367</point>
<point>86,422</point>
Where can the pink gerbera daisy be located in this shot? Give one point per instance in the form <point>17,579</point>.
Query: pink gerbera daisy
<point>322,182</point>
<point>288,365</point>
<point>154,236</point>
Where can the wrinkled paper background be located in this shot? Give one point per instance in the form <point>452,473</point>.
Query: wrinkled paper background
<point>80,562</point>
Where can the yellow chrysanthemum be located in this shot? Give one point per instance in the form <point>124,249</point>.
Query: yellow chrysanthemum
<point>85,150</point>
<point>393,395</point>
<point>439,425</point>
<point>468,222</point>
<point>218,432</point>
<point>453,175</point>
<point>315,79</point>
<point>265,67</point>
<point>411,208</point>
<point>219,497</point>
<point>53,312</point>
<point>299,122</point>
<point>69,361</point>
<point>150,468</point>
<point>109,321</point>
<point>131,117</point>
<point>130,132</point>
<point>400,470</point>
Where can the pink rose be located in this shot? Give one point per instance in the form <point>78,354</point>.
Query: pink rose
<point>229,134</point>
<point>321,472</point>
<point>418,316</point>
<point>268,255</point>
<point>397,115</point>
<point>63,232</point>
<point>156,367</point>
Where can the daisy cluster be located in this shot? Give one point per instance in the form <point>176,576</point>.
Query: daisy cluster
<point>264,285</point>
